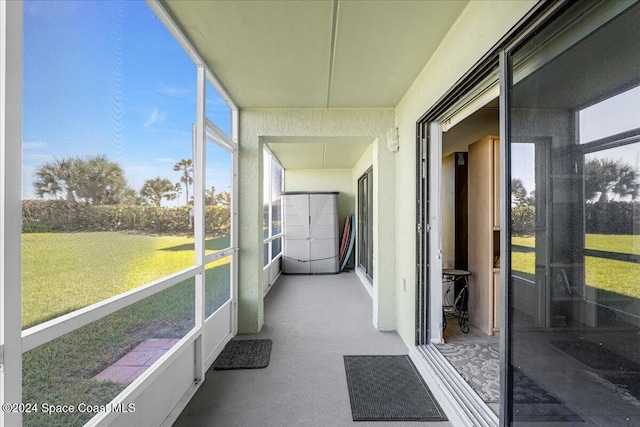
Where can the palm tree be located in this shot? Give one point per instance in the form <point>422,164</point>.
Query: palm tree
<point>95,180</point>
<point>608,176</point>
<point>156,189</point>
<point>102,182</point>
<point>186,167</point>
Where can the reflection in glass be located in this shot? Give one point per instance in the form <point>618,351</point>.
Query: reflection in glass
<point>96,362</point>
<point>217,284</point>
<point>523,210</point>
<point>612,188</point>
<point>574,313</point>
<point>609,117</point>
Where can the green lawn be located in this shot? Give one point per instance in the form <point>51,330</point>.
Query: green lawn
<point>65,271</point>
<point>611,276</point>
<point>62,272</point>
<point>626,244</point>
<point>623,243</point>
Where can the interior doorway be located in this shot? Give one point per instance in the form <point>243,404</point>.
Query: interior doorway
<point>470,242</point>
<point>460,212</point>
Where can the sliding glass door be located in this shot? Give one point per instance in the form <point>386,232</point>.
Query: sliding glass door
<point>573,145</point>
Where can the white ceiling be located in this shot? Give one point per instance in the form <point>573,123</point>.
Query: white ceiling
<point>316,54</point>
<point>317,153</point>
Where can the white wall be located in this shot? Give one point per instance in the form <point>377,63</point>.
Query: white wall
<point>477,30</point>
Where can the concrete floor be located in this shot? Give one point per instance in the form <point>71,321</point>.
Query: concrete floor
<point>313,321</point>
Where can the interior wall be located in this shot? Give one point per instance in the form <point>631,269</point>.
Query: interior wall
<point>325,180</point>
<point>483,122</point>
<point>480,26</point>
<point>256,127</point>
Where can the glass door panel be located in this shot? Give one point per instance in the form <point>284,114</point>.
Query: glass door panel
<point>574,238</point>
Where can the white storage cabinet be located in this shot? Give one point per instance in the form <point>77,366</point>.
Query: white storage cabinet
<point>310,232</point>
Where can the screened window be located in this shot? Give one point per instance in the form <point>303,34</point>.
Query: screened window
<point>106,126</point>
<point>109,176</point>
<point>273,182</point>
<point>107,171</point>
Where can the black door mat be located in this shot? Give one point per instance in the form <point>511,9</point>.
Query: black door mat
<point>596,356</point>
<point>244,354</point>
<point>389,388</point>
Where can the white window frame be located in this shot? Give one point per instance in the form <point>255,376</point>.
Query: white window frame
<point>269,277</point>
<point>10,207</point>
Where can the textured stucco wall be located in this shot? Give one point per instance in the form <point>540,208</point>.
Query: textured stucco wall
<point>479,27</point>
<point>257,125</point>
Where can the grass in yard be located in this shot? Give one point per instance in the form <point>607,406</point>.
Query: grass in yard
<point>62,272</point>
<point>622,243</point>
<point>524,262</point>
<point>528,241</point>
<point>609,275</point>
<point>615,280</point>
<point>61,371</point>
<point>626,244</point>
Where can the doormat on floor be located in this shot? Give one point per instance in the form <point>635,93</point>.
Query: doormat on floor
<point>389,388</point>
<point>244,354</point>
<point>596,356</point>
<point>478,365</point>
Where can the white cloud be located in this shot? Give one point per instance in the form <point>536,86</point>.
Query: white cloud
<point>156,116</point>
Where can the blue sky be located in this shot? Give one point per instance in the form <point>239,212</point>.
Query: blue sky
<point>106,77</point>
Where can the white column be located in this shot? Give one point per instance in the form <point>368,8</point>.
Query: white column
<point>10,207</point>
<point>199,157</point>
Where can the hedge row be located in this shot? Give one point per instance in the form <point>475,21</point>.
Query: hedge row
<point>612,217</point>
<point>55,216</point>
<point>600,218</point>
<point>523,220</point>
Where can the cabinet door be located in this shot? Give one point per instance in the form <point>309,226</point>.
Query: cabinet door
<point>296,216</point>
<point>323,223</point>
